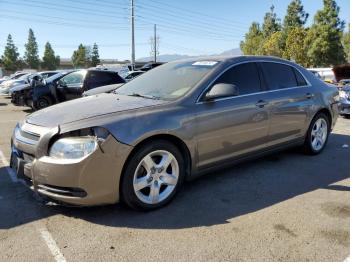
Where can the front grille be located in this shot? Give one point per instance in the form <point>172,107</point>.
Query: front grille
<point>27,137</point>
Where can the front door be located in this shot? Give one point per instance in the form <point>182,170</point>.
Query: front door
<point>232,126</point>
<point>71,86</point>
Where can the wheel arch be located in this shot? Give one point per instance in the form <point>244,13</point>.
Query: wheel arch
<point>327,112</point>
<point>176,141</point>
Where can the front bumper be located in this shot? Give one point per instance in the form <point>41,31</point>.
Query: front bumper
<point>344,107</point>
<point>91,181</point>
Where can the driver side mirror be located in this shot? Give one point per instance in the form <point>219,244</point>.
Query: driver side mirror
<point>62,83</point>
<point>221,90</point>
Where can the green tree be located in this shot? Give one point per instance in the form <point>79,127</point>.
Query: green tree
<point>31,55</point>
<point>271,24</point>
<point>10,57</point>
<point>346,44</point>
<point>295,17</point>
<point>79,58</point>
<point>50,61</point>
<point>325,36</point>
<point>296,46</point>
<point>273,45</point>
<point>253,40</point>
<point>95,57</point>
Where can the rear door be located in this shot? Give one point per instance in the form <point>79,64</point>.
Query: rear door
<point>290,100</point>
<point>232,126</point>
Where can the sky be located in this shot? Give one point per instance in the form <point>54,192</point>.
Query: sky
<point>188,27</point>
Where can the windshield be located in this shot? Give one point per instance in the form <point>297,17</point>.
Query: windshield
<point>24,77</point>
<point>53,78</point>
<point>169,81</point>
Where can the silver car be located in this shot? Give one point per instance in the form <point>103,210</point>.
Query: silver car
<point>180,120</point>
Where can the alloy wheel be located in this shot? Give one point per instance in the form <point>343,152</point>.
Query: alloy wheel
<point>319,134</point>
<point>156,177</point>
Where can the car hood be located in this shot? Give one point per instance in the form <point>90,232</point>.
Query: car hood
<point>88,107</point>
<point>19,87</point>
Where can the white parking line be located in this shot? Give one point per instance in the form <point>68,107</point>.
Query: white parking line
<point>51,244</point>
<point>347,259</point>
<point>9,170</point>
<point>44,233</point>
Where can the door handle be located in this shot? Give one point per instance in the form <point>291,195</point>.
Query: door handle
<point>309,95</point>
<point>261,103</point>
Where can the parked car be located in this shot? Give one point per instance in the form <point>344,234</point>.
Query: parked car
<point>178,121</point>
<point>73,85</point>
<point>344,82</point>
<point>5,88</point>
<point>102,89</point>
<point>317,74</point>
<point>22,95</point>
<point>132,74</point>
<point>150,66</point>
<point>344,103</point>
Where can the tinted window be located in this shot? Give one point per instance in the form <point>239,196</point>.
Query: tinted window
<point>100,78</point>
<point>279,76</point>
<point>300,79</point>
<point>245,77</point>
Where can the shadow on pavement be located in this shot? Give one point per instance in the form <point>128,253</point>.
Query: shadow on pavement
<point>210,200</point>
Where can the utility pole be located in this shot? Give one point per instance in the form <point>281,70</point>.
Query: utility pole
<point>132,36</point>
<point>155,43</point>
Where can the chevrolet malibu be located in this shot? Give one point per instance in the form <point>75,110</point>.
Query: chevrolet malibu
<point>175,122</point>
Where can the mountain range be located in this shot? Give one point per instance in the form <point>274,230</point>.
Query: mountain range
<point>172,57</point>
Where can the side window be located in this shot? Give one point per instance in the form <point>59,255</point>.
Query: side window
<point>245,77</point>
<point>300,79</point>
<point>75,78</point>
<point>112,78</point>
<point>100,78</point>
<point>279,76</point>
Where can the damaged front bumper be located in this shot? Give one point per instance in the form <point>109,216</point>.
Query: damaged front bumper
<point>93,180</point>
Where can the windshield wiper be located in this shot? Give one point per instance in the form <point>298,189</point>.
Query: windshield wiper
<point>145,96</point>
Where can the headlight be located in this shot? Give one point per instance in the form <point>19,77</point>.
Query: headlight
<point>73,148</point>
<point>343,94</point>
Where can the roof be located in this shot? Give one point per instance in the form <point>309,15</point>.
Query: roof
<point>235,58</point>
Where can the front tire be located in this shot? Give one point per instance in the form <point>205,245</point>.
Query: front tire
<point>317,134</point>
<point>152,176</point>
<point>43,102</point>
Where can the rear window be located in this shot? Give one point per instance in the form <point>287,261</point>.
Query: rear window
<point>300,79</point>
<point>279,76</point>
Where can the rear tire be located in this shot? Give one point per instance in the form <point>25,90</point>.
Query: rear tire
<point>317,135</point>
<point>152,176</point>
<point>43,102</point>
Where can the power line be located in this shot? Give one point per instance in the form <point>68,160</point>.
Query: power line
<point>183,31</point>
<point>7,11</point>
<point>157,11</point>
<point>4,16</point>
<point>68,10</point>
<point>200,14</point>
<point>186,27</point>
